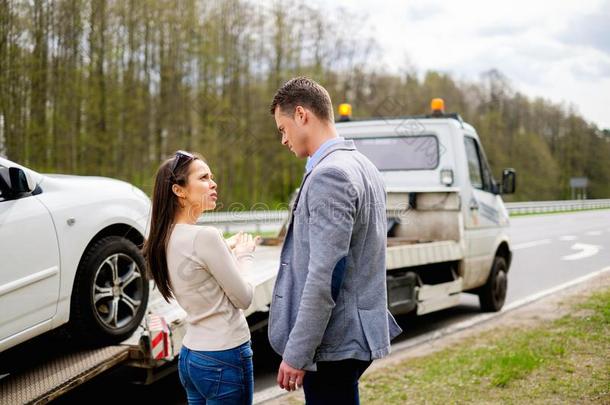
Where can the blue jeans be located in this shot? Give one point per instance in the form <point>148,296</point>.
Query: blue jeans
<point>335,382</point>
<point>217,377</point>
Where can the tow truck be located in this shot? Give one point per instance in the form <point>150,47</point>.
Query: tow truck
<point>447,222</point>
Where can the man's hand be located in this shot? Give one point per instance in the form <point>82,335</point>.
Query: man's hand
<point>289,378</point>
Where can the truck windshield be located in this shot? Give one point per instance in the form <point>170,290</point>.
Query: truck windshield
<point>419,152</point>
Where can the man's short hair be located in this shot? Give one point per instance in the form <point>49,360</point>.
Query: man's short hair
<point>304,92</point>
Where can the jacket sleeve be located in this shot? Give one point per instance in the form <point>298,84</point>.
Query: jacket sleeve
<point>224,266</point>
<point>332,202</point>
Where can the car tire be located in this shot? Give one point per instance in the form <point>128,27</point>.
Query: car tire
<point>110,292</point>
<point>493,294</point>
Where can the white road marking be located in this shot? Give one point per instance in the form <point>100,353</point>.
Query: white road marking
<point>585,251</point>
<point>531,244</point>
<point>568,237</point>
<point>594,233</point>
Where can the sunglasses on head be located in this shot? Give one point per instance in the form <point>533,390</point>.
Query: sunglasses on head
<point>181,156</point>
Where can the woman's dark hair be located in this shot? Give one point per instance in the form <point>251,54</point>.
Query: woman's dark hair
<point>165,205</point>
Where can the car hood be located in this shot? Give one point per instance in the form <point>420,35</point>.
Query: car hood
<point>84,189</point>
<point>100,184</point>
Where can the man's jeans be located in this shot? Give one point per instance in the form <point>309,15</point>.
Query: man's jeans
<point>217,377</point>
<point>335,382</point>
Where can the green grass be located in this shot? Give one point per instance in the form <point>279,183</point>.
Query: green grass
<point>564,361</point>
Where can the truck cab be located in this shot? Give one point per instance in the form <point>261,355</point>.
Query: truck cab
<point>447,223</point>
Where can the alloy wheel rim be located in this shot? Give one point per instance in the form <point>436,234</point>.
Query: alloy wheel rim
<point>118,289</point>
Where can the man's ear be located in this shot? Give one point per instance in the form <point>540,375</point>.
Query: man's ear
<point>300,115</point>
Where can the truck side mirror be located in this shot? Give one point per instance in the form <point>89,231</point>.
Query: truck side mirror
<point>508,181</point>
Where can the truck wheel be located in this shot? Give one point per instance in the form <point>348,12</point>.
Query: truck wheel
<point>493,294</point>
<point>110,292</point>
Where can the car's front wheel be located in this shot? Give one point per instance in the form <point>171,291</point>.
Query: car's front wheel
<point>110,292</point>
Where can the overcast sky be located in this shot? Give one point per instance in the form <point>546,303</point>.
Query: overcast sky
<point>557,50</point>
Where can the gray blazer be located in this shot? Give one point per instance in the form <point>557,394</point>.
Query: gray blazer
<point>330,300</point>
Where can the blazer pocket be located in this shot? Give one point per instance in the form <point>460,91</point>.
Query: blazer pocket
<point>374,327</point>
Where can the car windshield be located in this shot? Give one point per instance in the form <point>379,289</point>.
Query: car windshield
<point>401,152</point>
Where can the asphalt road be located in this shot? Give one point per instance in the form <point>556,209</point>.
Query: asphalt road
<point>549,250</point>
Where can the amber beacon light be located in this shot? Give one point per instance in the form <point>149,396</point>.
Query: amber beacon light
<point>345,112</point>
<point>437,105</point>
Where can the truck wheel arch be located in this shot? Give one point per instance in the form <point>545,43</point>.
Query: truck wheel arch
<point>504,251</point>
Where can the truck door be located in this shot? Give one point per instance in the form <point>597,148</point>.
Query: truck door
<point>481,216</point>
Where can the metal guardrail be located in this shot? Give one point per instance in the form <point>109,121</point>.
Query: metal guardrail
<point>271,220</point>
<point>245,220</point>
<point>534,207</point>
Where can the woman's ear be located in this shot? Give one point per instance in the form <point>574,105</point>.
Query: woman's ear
<point>177,190</point>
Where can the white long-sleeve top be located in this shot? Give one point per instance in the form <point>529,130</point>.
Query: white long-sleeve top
<point>207,282</point>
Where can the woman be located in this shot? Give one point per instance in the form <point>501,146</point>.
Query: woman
<point>196,266</point>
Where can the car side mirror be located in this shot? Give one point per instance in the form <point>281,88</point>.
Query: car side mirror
<point>16,181</point>
<point>508,181</point>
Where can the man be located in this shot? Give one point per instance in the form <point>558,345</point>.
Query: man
<point>328,318</point>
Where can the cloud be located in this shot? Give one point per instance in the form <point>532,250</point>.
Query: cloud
<point>559,51</point>
<point>502,30</point>
<point>592,30</point>
<point>424,11</point>
<point>592,70</point>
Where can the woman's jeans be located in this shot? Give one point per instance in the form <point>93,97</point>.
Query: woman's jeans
<point>217,377</point>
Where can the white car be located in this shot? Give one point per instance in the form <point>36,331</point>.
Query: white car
<point>70,255</point>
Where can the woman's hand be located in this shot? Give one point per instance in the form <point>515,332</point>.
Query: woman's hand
<point>245,243</point>
<point>233,240</point>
